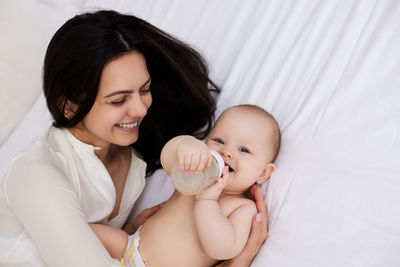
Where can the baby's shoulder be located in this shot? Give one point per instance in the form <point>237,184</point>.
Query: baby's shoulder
<point>230,203</point>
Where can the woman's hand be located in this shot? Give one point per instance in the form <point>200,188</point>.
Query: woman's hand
<point>258,234</point>
<point>131,228</point>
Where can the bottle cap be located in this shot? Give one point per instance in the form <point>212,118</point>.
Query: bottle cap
<point>220,161</point>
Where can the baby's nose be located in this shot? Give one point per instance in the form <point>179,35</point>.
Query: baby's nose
<point>226,152</point>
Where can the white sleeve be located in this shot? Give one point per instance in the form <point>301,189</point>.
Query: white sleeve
<point>49,208</point>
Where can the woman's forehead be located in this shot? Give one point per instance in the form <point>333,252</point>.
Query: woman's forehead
<point>127,72</point>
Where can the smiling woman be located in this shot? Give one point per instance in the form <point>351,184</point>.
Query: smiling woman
<point>105,76</point>
<point>121,104</point>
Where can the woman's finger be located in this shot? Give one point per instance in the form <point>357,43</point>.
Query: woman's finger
<point>259,200</point>
<point>259,232</point>
<point>147,213</point>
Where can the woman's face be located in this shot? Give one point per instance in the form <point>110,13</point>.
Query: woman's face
<point>121,103</point>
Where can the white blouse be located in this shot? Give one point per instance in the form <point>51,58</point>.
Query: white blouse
<point>49,196</point>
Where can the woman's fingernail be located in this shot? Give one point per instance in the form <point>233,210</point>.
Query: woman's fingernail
<point>258,217</point>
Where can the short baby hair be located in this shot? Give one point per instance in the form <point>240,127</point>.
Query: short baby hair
<point>276,133</point>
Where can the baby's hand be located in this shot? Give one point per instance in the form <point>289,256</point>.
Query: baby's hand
<point>214,191</point>
<point>193,155</point>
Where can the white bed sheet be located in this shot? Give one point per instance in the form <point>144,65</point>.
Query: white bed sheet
<point>328,71</point>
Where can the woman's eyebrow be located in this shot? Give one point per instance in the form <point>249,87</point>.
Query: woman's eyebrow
<point>126,91</point>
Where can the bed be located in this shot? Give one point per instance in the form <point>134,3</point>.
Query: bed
<point>327,70</point>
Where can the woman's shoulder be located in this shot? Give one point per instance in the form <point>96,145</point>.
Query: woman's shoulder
<point>44,150</point>
<point>42,157</point>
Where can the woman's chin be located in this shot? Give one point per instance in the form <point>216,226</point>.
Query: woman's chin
<point>127,142</point>
<point>125,136</point>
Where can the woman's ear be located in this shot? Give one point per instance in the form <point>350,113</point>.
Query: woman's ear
<point>266,173</point>
<point>69,109</point>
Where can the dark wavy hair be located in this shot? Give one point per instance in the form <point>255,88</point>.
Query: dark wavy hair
<point>183,94</point>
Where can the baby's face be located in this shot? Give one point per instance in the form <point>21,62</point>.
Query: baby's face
<point>241,137</point>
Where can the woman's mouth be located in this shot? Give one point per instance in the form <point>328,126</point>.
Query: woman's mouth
<point>127,125</point>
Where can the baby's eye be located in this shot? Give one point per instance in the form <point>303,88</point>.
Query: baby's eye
<point>243,149</point>
<point>219,141</point>
<point>119,102</point>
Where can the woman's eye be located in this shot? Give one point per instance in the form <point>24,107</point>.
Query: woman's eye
<point>243,149</point>
<point>118,102</point>
<point>145,91</point>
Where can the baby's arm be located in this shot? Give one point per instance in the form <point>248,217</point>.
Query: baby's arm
<point>191,153</point>
<point>221,237</point>
<point>114,240</point>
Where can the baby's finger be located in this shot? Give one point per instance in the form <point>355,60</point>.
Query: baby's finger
<point>225,173</point>
<point>202,162</point>
<point>187,162</point>
<point>218,185</point>
<point>221,182</point>
<point>209,159</point>
<point>181,161</point>
<point>195,162</point>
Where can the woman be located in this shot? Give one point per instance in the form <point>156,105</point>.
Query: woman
<point>102,73</point>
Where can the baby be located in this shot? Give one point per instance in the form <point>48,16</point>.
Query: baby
<point>199,230</point>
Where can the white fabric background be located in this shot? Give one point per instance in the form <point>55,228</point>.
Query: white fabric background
<point>327,70</point>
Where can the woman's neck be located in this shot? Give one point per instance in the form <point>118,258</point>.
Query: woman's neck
<point>103,150</point>
<point>104,154</point>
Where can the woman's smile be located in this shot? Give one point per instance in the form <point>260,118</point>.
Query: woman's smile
<point>129,125</point>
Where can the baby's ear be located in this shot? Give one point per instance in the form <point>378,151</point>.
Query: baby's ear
<point>266,173</point>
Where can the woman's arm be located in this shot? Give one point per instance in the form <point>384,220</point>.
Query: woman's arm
<point>114,240</point>
<point>50,209</point>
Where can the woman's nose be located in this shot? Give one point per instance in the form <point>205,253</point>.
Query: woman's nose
<point>137,108</point>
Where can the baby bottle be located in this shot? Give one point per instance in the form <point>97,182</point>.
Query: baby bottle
<point>190,183</point>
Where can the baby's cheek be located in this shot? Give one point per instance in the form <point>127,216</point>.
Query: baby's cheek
<point>210,145</point>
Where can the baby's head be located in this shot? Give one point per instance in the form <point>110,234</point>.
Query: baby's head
<point>248,139</point>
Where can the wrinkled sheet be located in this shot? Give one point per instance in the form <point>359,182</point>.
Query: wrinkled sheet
<point>328,71</point>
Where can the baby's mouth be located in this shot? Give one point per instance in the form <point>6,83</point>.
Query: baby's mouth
<point>230,168</point>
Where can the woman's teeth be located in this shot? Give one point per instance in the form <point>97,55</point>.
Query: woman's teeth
<point>127,125</point>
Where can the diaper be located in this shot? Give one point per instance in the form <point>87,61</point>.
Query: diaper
<point>132,256</point>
